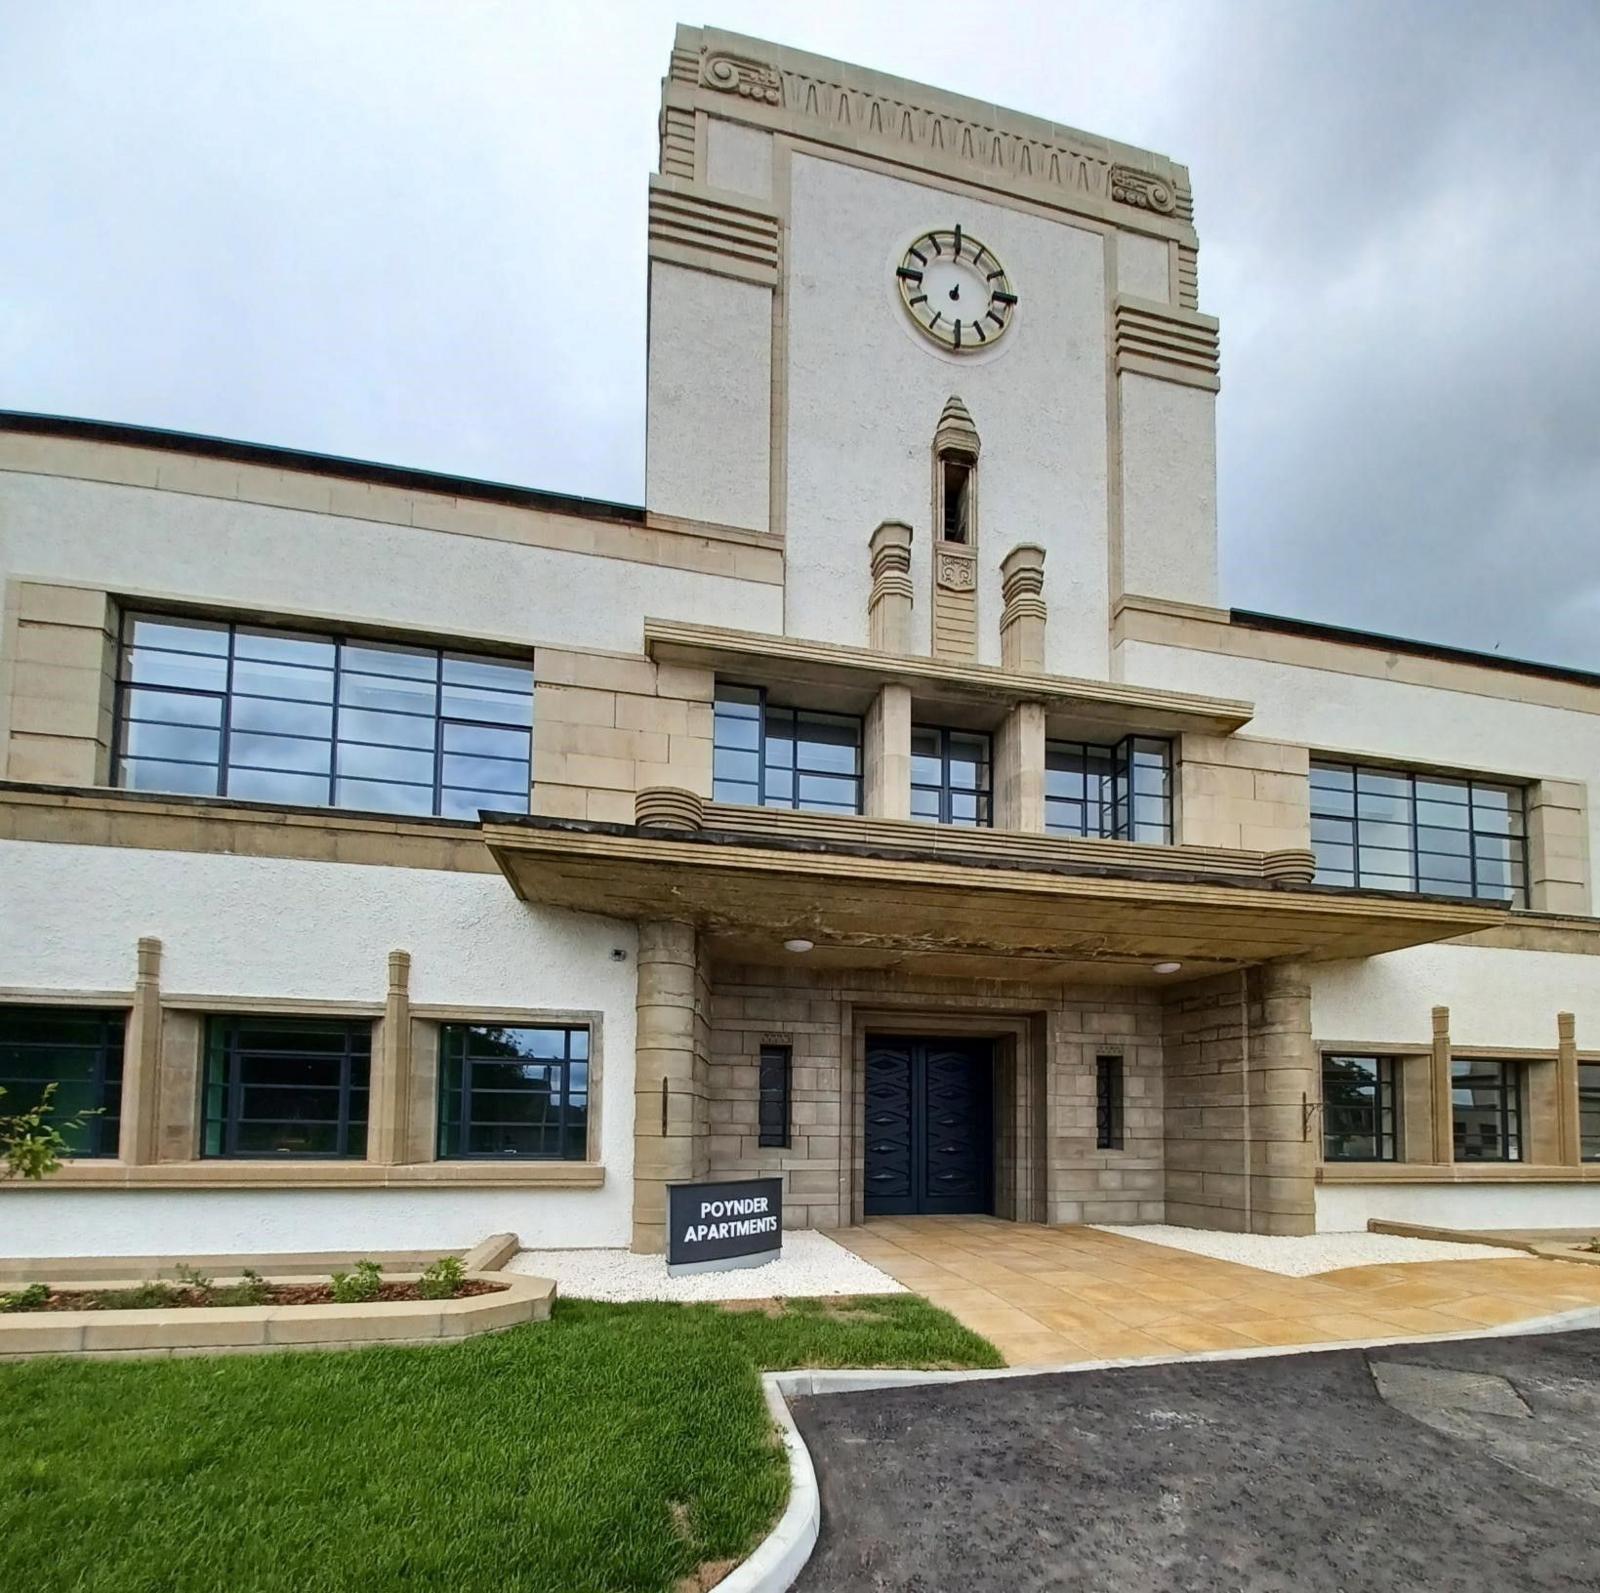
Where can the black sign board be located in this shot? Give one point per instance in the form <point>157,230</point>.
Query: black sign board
<point>715,1226</point>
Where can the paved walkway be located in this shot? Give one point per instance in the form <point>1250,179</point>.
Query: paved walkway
<point>1045,1296</point>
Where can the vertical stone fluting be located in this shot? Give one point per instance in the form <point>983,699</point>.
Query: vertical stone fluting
<point>391,1083</point>
<point>141,1076</point>
<point>669,1072</point>
<point>1022,620</point>
<point>889,607</point>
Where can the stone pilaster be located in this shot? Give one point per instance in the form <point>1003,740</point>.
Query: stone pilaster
<point>1019,769</point>
<point>141,1065</point>
<point>886,752</point>
<point>1022,621</point>
<point>1281,1079</point>
<point>669,1074</point>
<point>1570,1134</point>
<point>390,1113</point>
<point>1442,1102</point>
<point>889,607</point>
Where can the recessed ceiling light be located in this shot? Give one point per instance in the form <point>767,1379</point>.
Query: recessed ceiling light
<point>798,945</point>
<point>1165,967</point>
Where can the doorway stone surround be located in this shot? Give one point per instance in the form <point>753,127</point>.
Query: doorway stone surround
<point>1045,1296</point>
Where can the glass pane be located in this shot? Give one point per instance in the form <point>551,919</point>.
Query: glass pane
<point>379,658</point>
<point>388,694</point>
<point>460,804</point>
<point>738,700</point>
<point>377,797</point>
<point>185,636</point>
<point>279,752</point>
<point>194,671</point>
<point>282,680</point>
<point>830,792</point>
<point>1383,783</point>
<point>187,779</point>
<point>281,718</point>
<point>480,740</point>
<point>186,743</point>
<point>172,708</point>
<point>827,745</point>
<point>358,761</point>
<point>1429,839</point>
<point>284,647</point>
<point>1395,809</point>
<point>271,785</point>
<point>494,707</point>
<point>735,791</point>
<point>490,672</point>
<point>924,803</point>
<point>1333,776</point>
<point>485,774</point>
<point>394,730</point>
<point>732,765</point>
<point>780,788</point>
<point>1442,814</point>
<point>737,732</point>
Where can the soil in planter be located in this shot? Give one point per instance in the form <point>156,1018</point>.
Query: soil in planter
<point>180,1296</point>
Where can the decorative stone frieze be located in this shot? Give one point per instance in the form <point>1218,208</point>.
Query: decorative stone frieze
<point>889,607</point>
<point>1291,866</point>
<point>1142,189</point>
<point>1022,622</point>
<point>668,807</point>
<point>737,74</point>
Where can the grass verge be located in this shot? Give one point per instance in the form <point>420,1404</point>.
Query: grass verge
<point>615,1448</point>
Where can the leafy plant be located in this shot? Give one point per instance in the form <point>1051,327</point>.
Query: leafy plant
<point>192,1277</point>
<point>31,1144</point>
<point>359,1285</point>
<point>141,1297</point>
<point>443,1279</point>
<point>251,1289</point>
<point>31,1297</point>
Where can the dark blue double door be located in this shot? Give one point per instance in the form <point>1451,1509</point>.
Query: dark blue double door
<point>929,1126</point>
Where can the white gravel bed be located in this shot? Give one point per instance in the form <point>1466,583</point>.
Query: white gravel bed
<point>1301,1258</point>
<point>811,1264</point>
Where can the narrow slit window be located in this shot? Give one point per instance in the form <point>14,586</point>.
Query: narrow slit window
<point>777,1068</point>
<point>957,524</point>
<point>1108,1103</point>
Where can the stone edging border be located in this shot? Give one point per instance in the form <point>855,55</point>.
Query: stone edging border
<point>244,1330</point>
<point>781,1556</point>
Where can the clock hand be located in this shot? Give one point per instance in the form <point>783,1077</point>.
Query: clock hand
<point>955,292</point>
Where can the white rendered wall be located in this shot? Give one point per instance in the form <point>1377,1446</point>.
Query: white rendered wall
<point>1359,715</point>
<point>708,441</point>
<point>179,545</point>
<point>70,917</point>
<point>1142,267</point>
<point>1495,996</point>
<point>1346,1208</point>
<point>739,158</point>
<point>1169,491</point>
<point>865,390</point>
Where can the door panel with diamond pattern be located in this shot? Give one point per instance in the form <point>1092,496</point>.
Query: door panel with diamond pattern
<point>929,1126</point>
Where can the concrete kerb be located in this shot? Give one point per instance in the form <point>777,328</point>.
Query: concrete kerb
<point>783,1553</point>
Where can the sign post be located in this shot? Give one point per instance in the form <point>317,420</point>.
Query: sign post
<point>714,1227</point>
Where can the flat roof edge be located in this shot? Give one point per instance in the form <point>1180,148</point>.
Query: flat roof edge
<point>275,457</point>
<point>1250,619</point>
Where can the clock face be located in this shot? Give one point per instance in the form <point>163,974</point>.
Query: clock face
<point>956,290</point>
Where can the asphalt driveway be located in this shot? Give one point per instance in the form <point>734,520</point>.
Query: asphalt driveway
<point>1464,1466</point>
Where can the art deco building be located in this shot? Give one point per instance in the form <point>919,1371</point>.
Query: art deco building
<point>889,803</point>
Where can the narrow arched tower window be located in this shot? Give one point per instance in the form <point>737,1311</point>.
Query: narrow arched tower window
<point>955,520</point>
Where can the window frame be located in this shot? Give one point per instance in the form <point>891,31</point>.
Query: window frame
<point>944,790</point>
<point>102,1131</point>
<point>764,739</point>
<point>1110,1096</point>
<point>1385,1105</point>
<point>1511,1132</point>
<point>464,1122</point>
<point>1589,1096</point>
<point>1125,789</point>
<point>233,1086</point>
<point>228,696</point>
<point>1515,834</point>
<point>774,1096</point>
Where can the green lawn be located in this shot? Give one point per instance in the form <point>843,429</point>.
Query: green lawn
<point>616,1447</point>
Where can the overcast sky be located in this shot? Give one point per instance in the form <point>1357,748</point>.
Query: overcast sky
<point>415,232</point>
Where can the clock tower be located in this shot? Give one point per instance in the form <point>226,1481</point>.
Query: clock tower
<point>873,301</point>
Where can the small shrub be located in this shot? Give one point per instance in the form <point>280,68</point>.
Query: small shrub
<point>358,1286</point>
<point>142,1297</point>
<point>442,1280</point>
<point>192,1277</point>
<point>251,1289</point>
<point>31,1297</point>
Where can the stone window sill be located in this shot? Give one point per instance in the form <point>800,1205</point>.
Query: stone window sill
<point>1455,1173</point>
<point>319,1175</point>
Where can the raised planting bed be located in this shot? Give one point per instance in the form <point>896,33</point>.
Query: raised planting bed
<point>140,1318</point>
